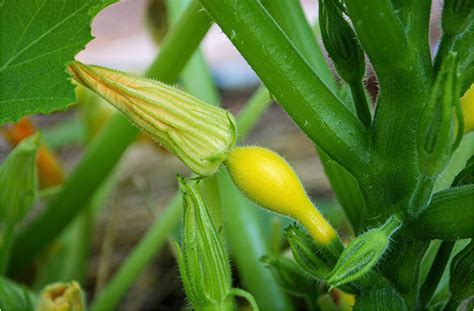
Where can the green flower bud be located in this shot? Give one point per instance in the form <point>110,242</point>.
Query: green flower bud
<point>457,16</point>
<point>203,261</point>
<point>435,136</point>
<point>199,134</point>
<point>341,42</point>
<point>307,254</point>
<point>289,276</point>
<point>461,282</point>
<point>18,181</point>
<point>61,297</point>
<point>363,253</point>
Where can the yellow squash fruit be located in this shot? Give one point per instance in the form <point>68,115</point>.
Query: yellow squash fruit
<point>267,179</point>
<point>467,104</point>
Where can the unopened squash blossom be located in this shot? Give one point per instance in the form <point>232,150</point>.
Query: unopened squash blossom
<point>61,297</point>
<point>266,178</point>
<point>199,134</point>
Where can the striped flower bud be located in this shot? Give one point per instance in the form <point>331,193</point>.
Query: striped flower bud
<point>307,254</point>
<point>199,134</point>
<point>61,297</point>
<point>341,42</point>
<point>267,179</point>
<point>203,262</point>
<point>363,253</point>
<point>436,129</point>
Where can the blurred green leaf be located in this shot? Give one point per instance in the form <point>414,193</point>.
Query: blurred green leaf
<point>15,297</point>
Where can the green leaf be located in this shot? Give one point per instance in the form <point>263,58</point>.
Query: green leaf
<point>42,37</point>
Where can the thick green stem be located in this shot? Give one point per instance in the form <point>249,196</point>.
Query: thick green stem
<point>290,79</point>
<point>381,33</point>
<point>106,149</point>
<point>415,16</point>
<point>404,90</point>
<point>291,18</point>
<point>182,40</point>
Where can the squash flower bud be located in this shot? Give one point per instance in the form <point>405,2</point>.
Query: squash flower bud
<point>267,179</point>
<point>306,254</point>
<point>203,262</point>
<point>200,135</point>
<point>363,253</point>
<point>18,181</point>
<point>436,129</point>
<point>341,42</point>
<point>61,297</point>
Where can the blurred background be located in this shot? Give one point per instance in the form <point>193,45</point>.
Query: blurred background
<point>145,179</point>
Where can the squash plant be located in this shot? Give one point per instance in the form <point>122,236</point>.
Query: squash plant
<point>400,166</point>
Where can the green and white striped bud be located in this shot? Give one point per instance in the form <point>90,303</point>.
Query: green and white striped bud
<point>437,139</point>
<point>341,42</point>
<point>346,53</point>
<point>61,297</point>
<point>18,181</point>
<point>363,253</point>
<point>199,134</point>
<point>436,129</point>
<point>203,262</point>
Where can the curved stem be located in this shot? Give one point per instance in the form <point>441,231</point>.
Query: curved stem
<point>241,293</point>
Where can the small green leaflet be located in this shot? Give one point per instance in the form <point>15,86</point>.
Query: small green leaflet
<point>38,38</point>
